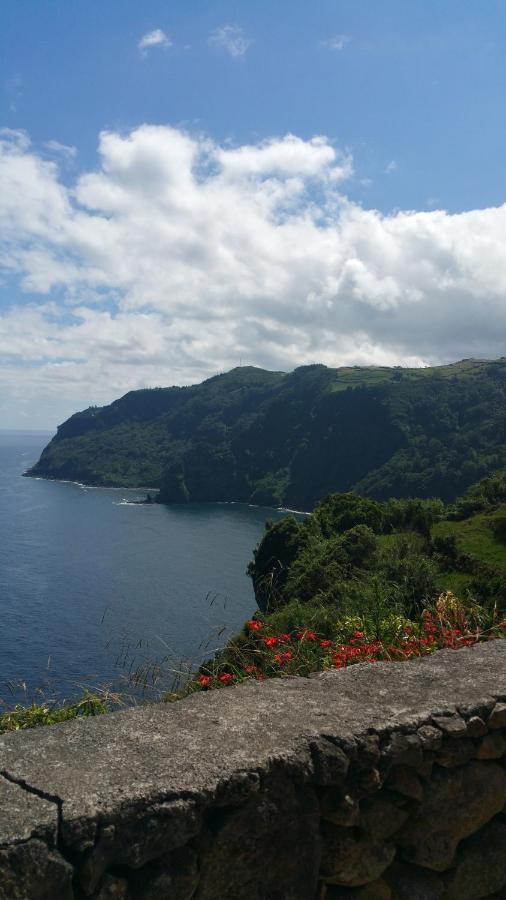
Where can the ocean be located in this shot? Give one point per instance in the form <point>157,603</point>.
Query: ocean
<point>98,591</point>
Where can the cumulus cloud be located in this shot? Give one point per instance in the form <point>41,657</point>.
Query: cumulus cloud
<point>230,38</point>
<point>176,257</point>
<point>156,38</point>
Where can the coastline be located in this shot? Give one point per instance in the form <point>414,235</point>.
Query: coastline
<point>125,487</point>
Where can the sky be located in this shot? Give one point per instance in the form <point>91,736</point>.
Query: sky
<point>187,186</point>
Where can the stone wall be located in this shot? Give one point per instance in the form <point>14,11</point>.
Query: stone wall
<point>377,781</point>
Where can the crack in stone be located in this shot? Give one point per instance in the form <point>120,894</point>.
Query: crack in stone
<point>43,795</point>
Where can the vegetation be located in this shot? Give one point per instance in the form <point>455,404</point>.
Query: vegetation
<point>364,581</point>
<point>52,712</point>
<point>291,439</point>
<point>357,581</point>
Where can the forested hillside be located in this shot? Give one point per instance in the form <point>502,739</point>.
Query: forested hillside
<point>290,439</point>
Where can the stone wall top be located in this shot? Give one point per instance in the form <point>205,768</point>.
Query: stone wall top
<point>153,772</point>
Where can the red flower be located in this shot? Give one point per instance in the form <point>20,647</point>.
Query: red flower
<point>271,641</point>
<point>281,658</point>
<point>502,624</point>
<point>285,638</point>
<point>306,636</point>
<point>325,644</point>
<point>204,680</point>
<point>250,670</point>
<point>357,635</point>
<point>254,625</point>
<point>225,677</point>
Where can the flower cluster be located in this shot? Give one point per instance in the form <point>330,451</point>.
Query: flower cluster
<point>266,654</point>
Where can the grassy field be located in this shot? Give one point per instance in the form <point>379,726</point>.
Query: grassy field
<point>478,537</point>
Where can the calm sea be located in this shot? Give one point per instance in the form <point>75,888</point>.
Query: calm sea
<point>93,588</point>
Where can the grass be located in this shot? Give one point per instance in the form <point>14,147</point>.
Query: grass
<point>476,536</point>
<point>51,712</point>
<point>352,376</point>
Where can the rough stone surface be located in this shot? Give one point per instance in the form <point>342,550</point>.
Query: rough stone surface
<point>338,809</point>
<point>476,727</point>
<point>493,746</point>
<point>480,865</point>
<point>268,848</point>
<point>413,883</point>
<point>350,857</point>
<point>375,890</point>
<point>458,803</point>
<point>382,819</point>
<point>228,794</point>
<point>29,871</point>
<point>497,718</point>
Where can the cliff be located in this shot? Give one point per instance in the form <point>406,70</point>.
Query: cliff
<point>290,439</point>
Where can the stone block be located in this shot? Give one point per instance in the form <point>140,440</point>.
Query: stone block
<point>351,858</point>
<point>457,803</point>
<point>497,718</point>
<point>455,752</point>
<point>270,847</point>
<point>409,882</point>
<point>476,727</point>
<point>480,865</point>
<point>493,746</point>
<point>406,782</point>
<point>338,809</point>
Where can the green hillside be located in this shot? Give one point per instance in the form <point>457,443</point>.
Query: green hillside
<point>354,554</point>
<point>290,439</point>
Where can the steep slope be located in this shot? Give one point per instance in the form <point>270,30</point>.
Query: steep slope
<point>274,438</point>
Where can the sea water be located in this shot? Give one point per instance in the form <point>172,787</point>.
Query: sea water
<point>97,590</point>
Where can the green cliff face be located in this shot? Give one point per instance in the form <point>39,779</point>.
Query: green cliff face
<point>290,439</point>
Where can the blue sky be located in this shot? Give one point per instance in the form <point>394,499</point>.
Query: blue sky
<point>420,83</point>
<point>358,144</point>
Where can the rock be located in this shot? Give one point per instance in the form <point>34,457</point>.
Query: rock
<point>329,762</point>
<point>112,888</point>
<point>375,890</point>
<point>457,803</point>
<point>30,865</point>
<point>476,727</point>
<point>412,883</point>
<point>424,769</point>
<point>406,782</point>
<point>338,809</point>
<point>455,752</point>
<point>497,718</point>
<point>403,750</point>
<point>368,781</point>
<point>29,871</point>
<point>430,738</point>
<point>381,819</point>
<point>350,858</point>
<point>174,875</point>
<point>493,746</point>
<point>368,752</point>
<point>152,833</point>
<point>247,848</point>
<point>480,865</point>
<point>453,726</point>
<point>236,790</point>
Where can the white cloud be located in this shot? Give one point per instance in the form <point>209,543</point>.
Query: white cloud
<point>392,166</point>
<point>232,39</point>
<point>177,256</point>
<point>64,150</point>
<point>337,42</point>
<point>156,38</point>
